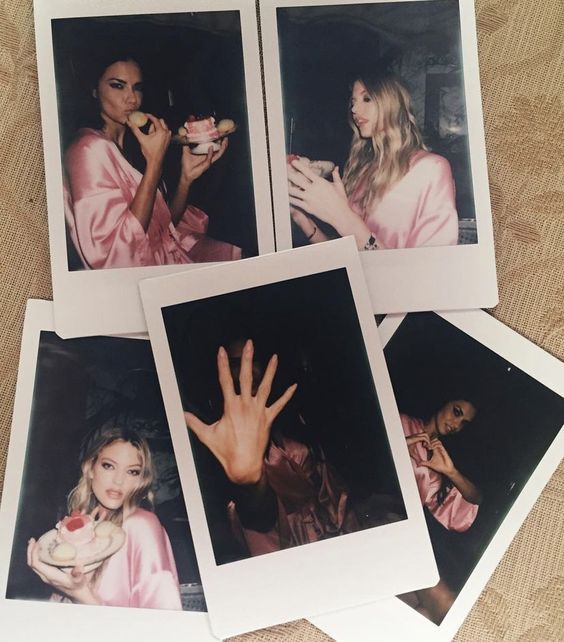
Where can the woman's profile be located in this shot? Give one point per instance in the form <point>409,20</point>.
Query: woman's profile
<point>115,484</point>
<point>119,215</point>
<point>394,193</point>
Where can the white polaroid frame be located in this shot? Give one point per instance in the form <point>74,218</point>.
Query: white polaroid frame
<point>397,621</point>
<point>106,301</point>
<point>35,620</point>
<point>332,573</point>
<point>402,280</point>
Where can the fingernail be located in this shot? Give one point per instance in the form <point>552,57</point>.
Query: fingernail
<point>221,352</point>
<point>248,345</point>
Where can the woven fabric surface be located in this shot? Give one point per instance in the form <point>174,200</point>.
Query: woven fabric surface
<point>522,69</point>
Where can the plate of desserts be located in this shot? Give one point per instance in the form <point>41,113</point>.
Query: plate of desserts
<point>79,540</point>
<point>322,168</point>
<point>201,134</point>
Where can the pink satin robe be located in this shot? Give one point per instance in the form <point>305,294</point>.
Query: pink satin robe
<point>143,572</point>
<point>101,186</point>
<point>419,210</point>
<point>312,503</point>
<point>455,513</point>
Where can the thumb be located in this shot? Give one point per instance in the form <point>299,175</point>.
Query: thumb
<point>197,426</point>
<point>337,181</point>
<point>135,130</point>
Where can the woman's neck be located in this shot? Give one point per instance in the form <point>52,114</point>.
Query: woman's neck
<point>430,427</point>
<point>115,132</point>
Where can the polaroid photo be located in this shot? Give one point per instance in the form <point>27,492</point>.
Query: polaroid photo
<point>288,441</point>
<point>376,131</point>
<point>502,398</point>
<point>93,524</point>
<point>128,200</point>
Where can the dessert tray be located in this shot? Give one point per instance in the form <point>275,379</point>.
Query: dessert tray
<point>90,555</point>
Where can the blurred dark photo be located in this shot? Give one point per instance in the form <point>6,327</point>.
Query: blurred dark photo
<point>325,467</point>
<point>97,386</point>
<point>408,57</point>
<point>476,428</point>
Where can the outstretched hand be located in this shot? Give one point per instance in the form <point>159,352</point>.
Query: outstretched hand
<point>240,438</point>
<point>440,460</point>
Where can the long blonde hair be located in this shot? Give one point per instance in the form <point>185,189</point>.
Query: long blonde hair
<point>82,498</point>
<point>377,163</point>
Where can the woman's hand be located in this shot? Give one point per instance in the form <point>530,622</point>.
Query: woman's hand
<point>240,438</point>
<point>326,200</point>
<point>194,165</point>
<point>419,437</point>
<point>440,460</point>
<point>155,143</point>
<point>75,585</point>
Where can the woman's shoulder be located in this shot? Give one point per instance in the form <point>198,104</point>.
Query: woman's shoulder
<point>142,519</point>
<point>425,161</point>
<point>87,139</point>
<point>411,425</point>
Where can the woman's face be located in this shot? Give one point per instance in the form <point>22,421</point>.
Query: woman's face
<point>364,110</point>
<point>120,91</point>
<point>453,416</point>
<point>116,474</point>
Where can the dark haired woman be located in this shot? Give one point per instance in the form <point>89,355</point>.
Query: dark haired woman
<point>450,497</point>
<point>116,215</point>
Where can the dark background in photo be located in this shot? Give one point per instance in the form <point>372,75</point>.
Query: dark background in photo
<point>312,324</point>
<point>431,362</point>
<point>323,47</point>
<point>79,385</point>
<point>192,63</point>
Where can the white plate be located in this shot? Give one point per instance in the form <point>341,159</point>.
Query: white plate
<point>93,554</point>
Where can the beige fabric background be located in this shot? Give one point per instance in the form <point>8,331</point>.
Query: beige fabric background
<point>522,66</point>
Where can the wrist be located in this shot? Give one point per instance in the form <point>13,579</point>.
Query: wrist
<point>353,225</point>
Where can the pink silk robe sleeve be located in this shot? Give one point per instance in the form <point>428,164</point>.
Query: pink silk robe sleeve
<point>455,513</point>
<point>419,210</point>
<point>101,185</point>
<point>143,572</point>
<point>312,502</point>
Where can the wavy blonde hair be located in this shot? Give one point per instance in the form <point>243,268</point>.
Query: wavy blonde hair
<point>82,498</point>
<point>377,163</point>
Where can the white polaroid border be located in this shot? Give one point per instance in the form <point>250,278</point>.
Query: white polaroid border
<point>34,620</point>
<point>395,620</point>
<point>404,280</point>
<point>331,573</point>
<point>107,301</point>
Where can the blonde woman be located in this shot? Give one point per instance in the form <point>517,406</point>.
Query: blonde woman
<point>116,480</point>
<point>394,193</point>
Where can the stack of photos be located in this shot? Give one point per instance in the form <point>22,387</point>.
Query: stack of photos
<point>211,434</point>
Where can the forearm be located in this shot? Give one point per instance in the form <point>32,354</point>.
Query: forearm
<point>144,200</point>
<point>256,504</point>
<point>468,490</point>
<point>352,225</point>
<point>180,200</point>
<point>311,231</point>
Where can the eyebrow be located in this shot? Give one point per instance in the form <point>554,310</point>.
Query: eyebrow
<point>113,461</point>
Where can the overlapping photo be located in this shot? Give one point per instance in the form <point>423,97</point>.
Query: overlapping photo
<point>99,515</point>
<point>375,132</point>
<point>482,412</point>
<point>156,159</point>
<point>289,442</point>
